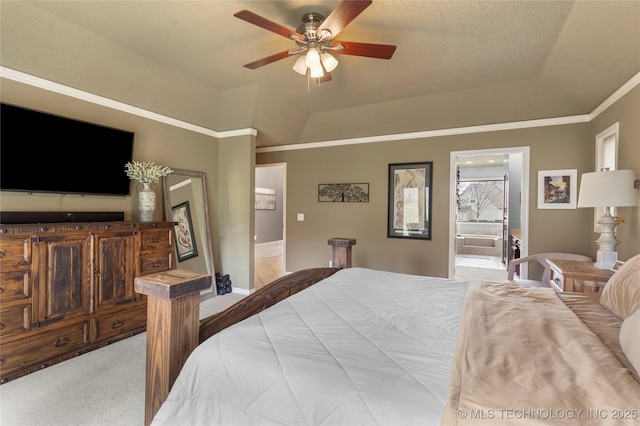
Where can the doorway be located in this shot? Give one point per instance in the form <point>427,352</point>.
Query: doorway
<point>270,232</point>
<point>489,202</point>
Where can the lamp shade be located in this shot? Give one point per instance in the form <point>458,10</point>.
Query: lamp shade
<point>313,57</point>
<point>300,66</point>
<point>329,61</point>
<point>316,71</point>
<point>611,188</point>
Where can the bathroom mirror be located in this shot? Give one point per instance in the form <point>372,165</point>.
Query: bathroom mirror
<point>185,202</point>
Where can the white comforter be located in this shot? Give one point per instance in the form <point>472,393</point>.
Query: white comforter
<point>361,347</point>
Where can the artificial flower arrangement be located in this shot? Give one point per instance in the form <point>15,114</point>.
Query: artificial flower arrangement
<point>146,172</point>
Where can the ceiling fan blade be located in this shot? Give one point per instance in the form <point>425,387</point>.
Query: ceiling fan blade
<point>269,59</point>
<point>258,20</point>
<point>325,78</point>
<point>342,15</point>
<point>371,50</point>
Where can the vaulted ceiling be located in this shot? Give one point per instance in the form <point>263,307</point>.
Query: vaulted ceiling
<point>457,63</point>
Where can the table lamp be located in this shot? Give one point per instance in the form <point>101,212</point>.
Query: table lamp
<point>608,188</point>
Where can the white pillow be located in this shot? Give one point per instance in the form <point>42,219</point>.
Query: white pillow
<point>621,294</point>
<point>630,339</point>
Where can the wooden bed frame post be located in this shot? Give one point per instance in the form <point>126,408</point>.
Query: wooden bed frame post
<point>342,251</point>
<point>173,315</point>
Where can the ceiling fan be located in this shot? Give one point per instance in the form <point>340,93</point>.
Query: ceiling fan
<point>315,39</point>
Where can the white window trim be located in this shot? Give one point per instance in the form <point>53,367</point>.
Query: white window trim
<point>613,130</point>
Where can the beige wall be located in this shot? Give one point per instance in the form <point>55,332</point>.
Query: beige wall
<point>154,141</point>
<point>626,112</point>
<point>557,147</point>
<point>554,147</point>
<point>229,167</point>
<point>236,227</point>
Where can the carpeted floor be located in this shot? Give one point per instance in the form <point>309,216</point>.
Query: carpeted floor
<point>104,387</point>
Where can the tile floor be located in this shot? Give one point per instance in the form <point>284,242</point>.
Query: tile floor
<point>474,268</point>
<point>268,263</point>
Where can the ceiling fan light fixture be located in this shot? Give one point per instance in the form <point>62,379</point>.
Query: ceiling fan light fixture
<point>329,61</point>
<point>316,72</point>
<point>300,65</point>
<point>313,57</point>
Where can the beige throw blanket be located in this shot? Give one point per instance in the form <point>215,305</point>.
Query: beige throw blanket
<point>524,358</point>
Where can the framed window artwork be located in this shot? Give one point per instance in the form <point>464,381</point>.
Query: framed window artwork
<point>557,189</point>
<point>410,190</point>
<point>183,233</point>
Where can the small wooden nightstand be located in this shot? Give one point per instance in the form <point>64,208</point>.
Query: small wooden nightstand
<point>575,276</point>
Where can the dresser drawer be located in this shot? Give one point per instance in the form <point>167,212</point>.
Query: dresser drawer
<point>122,322</point>
<point>156,240</point>
<point>588,286</point>
<point>556,279</point>
<point>30,351</point>
<point>15,286</point>
<point>15,252</point>
<point>157,262</point>
<point>15,319</point>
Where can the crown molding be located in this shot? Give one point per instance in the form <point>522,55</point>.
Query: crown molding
<point>110,103</point>
<point>435,133</point>
<point>51,86</point>
<point>633,82</point>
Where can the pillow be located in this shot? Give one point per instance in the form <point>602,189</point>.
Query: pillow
<point>630,339</point>
<point>621,294</point>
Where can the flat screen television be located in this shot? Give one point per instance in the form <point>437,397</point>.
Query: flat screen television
<point>41,152</point>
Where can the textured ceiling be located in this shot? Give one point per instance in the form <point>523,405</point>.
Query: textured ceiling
<point>457,63</point>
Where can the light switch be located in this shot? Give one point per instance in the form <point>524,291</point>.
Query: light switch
<point>300,217</point>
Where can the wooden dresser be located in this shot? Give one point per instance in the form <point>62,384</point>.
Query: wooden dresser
<point>576,276</point>
<point>67,288</point>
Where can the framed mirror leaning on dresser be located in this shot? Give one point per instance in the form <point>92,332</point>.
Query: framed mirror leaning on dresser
<point>185,202</point>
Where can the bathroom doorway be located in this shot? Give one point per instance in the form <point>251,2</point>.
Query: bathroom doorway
<point>488,193</point>
<point>270,232</point>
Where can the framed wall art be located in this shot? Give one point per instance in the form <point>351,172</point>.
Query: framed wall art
<point>410,190</point>
<point>184,236</point>
<point>265,199</point>
<point>343,192</point>
<point>557,189</point>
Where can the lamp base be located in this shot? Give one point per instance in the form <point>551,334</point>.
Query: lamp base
<point>607,243</point>
<point>605,259</point>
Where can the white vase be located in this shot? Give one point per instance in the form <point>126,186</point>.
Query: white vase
<point>147,203</point>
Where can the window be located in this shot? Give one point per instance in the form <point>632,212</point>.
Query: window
<point>606,158</point>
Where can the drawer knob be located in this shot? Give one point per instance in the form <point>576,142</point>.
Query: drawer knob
<point>1,326</point>
<point>1,290</point>
<point>155,240</point>
<point>61,342</point>
<point>117,324</point>
<point>1,254</point>
<point>155,264</point>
